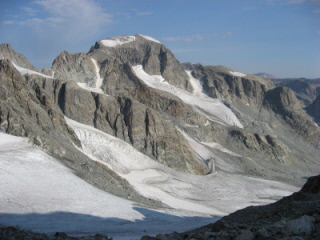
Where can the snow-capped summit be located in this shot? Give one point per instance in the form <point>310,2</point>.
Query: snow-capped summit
<point>149,38</point>
<point>120,40</point>
<point>117,41</point>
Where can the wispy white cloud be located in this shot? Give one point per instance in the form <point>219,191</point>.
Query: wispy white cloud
<point>191,38</point>
<point>67,20</point>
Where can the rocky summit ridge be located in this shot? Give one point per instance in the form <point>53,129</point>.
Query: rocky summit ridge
<point>133,88</point>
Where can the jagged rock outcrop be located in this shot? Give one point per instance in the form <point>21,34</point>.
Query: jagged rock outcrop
<point>284,103</point>
<point>312,185</point>
<point>26,111</point>
<point>257,144</point>
<point>314,110</point>
<point>219,82</point>
<point>155,58</point>
<point>306,90</point>
<point>7,52</point>
<point>13,233</point>
<point>77,67</point>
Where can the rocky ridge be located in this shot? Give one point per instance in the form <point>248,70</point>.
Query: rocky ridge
<point>306,90</point>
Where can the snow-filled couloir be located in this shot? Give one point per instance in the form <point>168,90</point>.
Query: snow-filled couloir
<point>213,109</point>
<point>99,80</point>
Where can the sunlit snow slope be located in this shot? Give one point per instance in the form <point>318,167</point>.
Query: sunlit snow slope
<point>211,108</point>
<point>217,194</point>
<point>39,193</point>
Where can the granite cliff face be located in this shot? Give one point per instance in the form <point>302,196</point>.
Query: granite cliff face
<point>7,52</point>
<point>261,129</point>
<point>77,67</point>
<point>224,83</point>
<point>306,90</point>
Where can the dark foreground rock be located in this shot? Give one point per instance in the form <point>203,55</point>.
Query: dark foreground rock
<point>15,233</point>
<point>296,217</point>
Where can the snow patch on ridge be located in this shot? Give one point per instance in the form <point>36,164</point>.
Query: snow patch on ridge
<point>149,38</point>
<point>238,74</point>
<point>99,80</point>
<point>196,85</point>
<point>25,71</point>
<point>90,89</point>
<point>212,109</point>
<point>117,41</point>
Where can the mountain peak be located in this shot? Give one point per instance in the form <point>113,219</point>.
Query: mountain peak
<point>7,52</point>
<point>124,39</point>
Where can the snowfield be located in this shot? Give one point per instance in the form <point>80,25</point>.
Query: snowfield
<point>25,71</point>
<point>238,74</point>
<point>149,38</point>
<point>37,192</point>
<point>212,109</point>
<point>117,41</point>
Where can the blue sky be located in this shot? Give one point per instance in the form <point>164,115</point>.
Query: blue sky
<point>280,37</point>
